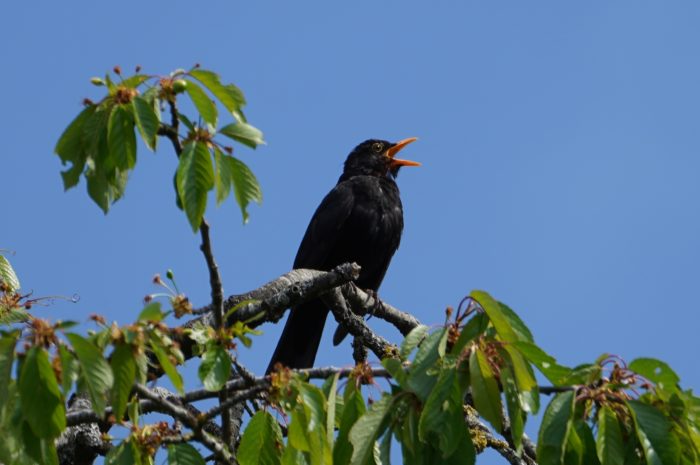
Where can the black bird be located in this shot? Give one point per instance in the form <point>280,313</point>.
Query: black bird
<point>360,221</point>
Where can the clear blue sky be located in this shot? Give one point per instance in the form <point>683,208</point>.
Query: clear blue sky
<point>560,144</point>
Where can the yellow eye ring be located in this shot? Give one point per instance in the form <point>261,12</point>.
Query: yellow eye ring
<point>377,147</point>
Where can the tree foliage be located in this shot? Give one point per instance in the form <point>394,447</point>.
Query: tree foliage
<point>448,392</point>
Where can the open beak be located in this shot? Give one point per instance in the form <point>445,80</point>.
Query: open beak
<point>394,149</point>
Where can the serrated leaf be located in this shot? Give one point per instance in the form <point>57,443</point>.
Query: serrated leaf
<point>656,371</point>
<point>516,323</point>
<point>134,81</point>
<point>659,443</point>
<point>95,370</point>
<point>443,416</point>
<point>41,399</point>
<point>168,367</point>
<point>121,139</point>
<point>223,180</point>
<point>367,430</point>
<point>124,372</point>
<point>7,359</point>
<point>544,362</point>
<point>71,148</point>
<point>474,327</point>
<point>611,450</point>
<point>412,340</point>
<point>8,276</point>
<point>525,379</point>
<point>261,442</point>
<point>246,188</point>
<point>422,376</point>
<point>354,408</point>
<point>205,106</point>
<point>515,412</point>
<point>184,454</point>
<point>244,133</point>
<point>588,449</point>
<point>215,368</point>
<point>555,427</point>
<point>498,317</point>
<point>152,312</point>
<point>124,454</point>
<point>69,368</point>
<point>147,121</point>
<point>487,397</point>
<point>42,450</point>
<point>195,178</point>
<point>229,95</point>
<point>330,408</point>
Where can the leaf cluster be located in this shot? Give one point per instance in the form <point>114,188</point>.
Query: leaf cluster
<point>100,143</point>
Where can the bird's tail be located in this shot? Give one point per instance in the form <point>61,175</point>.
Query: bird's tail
<point>301,336</point>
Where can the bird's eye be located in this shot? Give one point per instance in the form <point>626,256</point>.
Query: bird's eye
<point>377,147</point>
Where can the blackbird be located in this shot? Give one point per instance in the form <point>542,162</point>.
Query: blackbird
<point>360,220</point>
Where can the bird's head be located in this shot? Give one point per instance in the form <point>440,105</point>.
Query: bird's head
<point>376,157</point>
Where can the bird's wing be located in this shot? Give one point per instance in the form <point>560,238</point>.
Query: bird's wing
<point>322,232</point>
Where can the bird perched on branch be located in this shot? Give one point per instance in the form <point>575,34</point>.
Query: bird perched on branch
<point>360,221</point>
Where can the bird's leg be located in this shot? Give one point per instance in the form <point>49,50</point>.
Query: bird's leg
<point>372,294</point>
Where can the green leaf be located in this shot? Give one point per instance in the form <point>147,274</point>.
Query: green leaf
<point>412,340</point>
<point>8,276</point>
<point>657,372</point>
<point>354,408</point>
<point>121,138</point>
<point>487,397</point>
<point>660,445</point>
<point>474,327</point>
<point>124,454</point>
<point>244,133</point>
<point>71,148</point>
<point>205,106</point>
<point>611,450</point>
<point>195,177</point>
<point>134,81</point>
<point>184,454</point>
<point>159,350</point>
<point>223,180</point>
<point>498,317</point>
<point>525,379</point>
<point>229,95</point>
<point>95,370</point>
<point>7,359</point>
<point>582,374</point>
<point>554,429</point>
<point>516,324</point>
<point>330,408</point>
<point>215,368</point>
<point>69,368</point>
<point>42,403</point>
<point>544,362</point>
<point>515,412</point>
<point>147,121</point>
<point>261,442</point>
<point>124,371</point>
<point>367,430</point>
<point>245,185</point>
<point>42,450</point>
<point>152,312</point>
<point>443,416</point>
<point>588,445</point>
<point>422,375</point>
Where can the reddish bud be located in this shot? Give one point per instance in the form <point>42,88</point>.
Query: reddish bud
<point>117,70</point>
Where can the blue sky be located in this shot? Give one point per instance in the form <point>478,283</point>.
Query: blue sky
<point>559,141</point>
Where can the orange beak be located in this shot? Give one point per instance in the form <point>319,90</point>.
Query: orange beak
<point>394,149</point>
